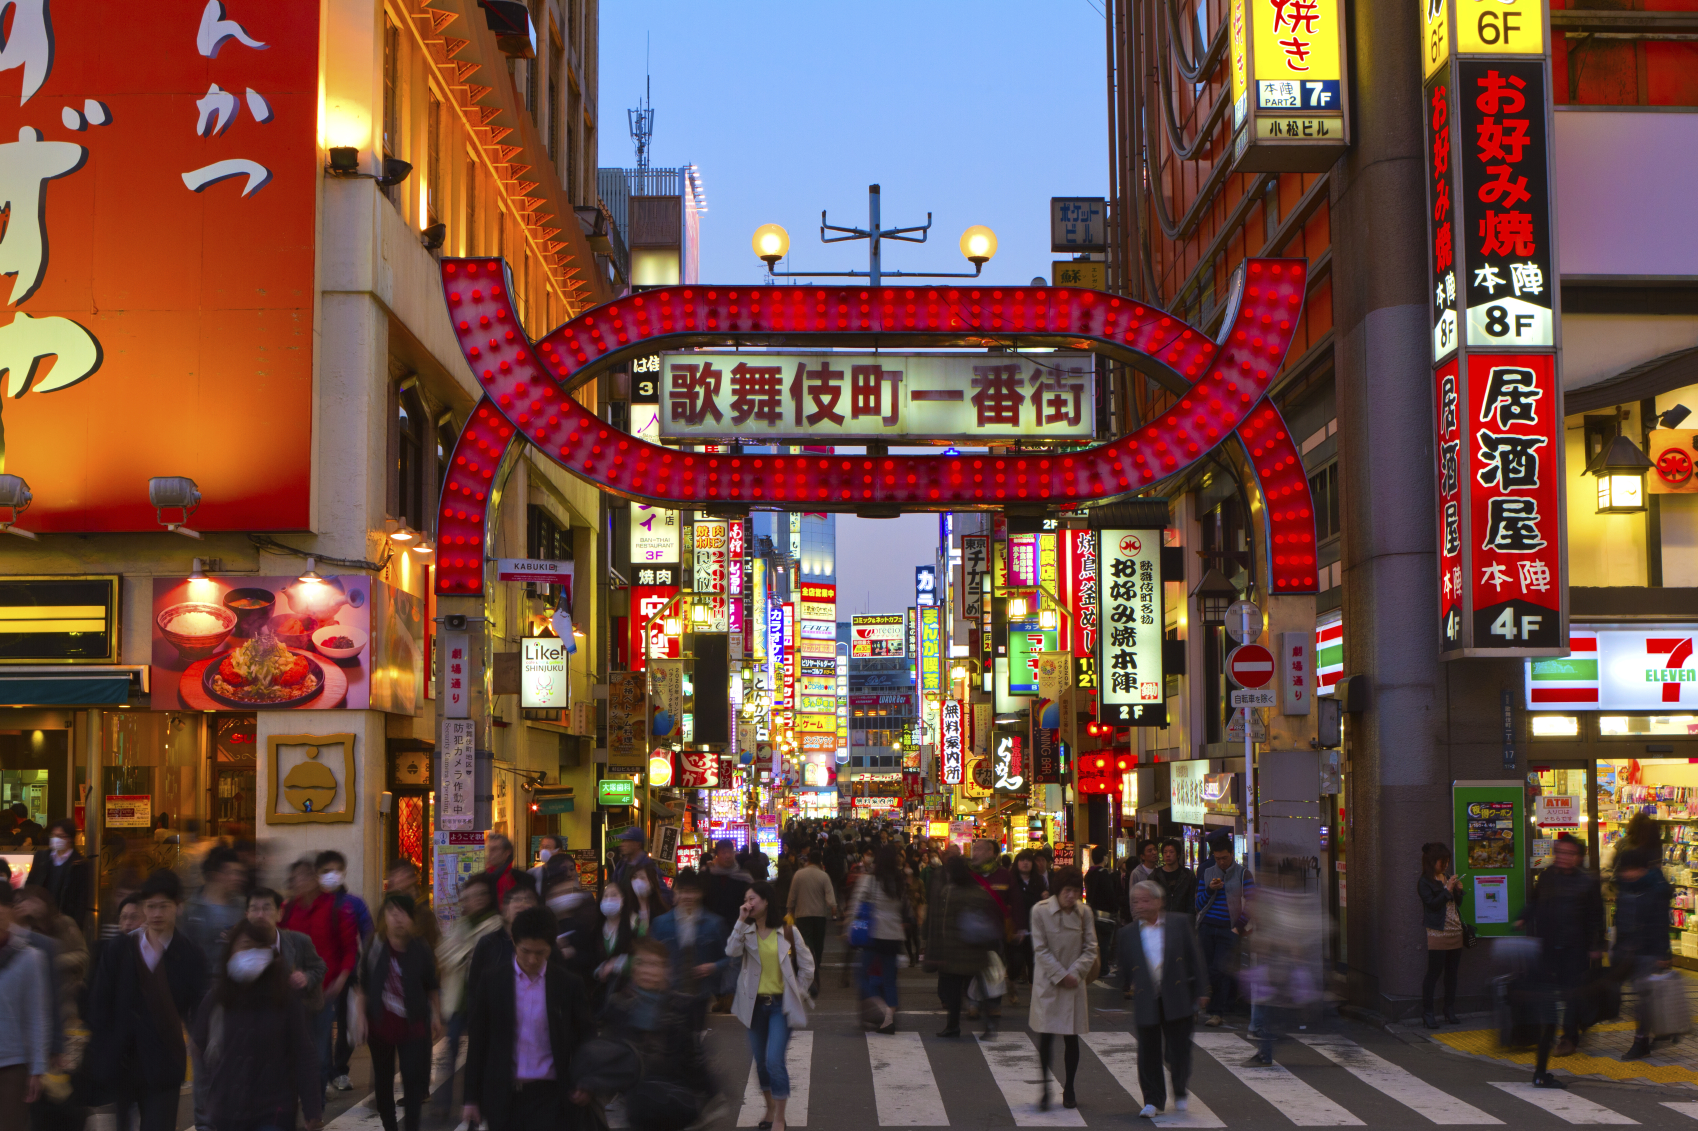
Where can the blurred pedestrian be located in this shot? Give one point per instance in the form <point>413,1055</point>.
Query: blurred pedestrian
<point>620,928</point>
<point>207,918</point>
<point>1176,879</point>
<point>499,865</point>
<point>963,924</point>
<point>397,1006</point>
<point>724,884</point>
<point>1027,892</point>
<point>628,842</point>
<point>26,829</point>
<point>403,879</point>
<point>1065,962</point>
<point>1441,895</point>
<point>300,958</point>
<point>332,869</point>
<point>1565,912</point>
<point>1641,947</point>
<point>653,900</point>
<point>64,872</point>
<point>1103,898</point>
<point>997,881</point>
<point>547,849</point>
<point>694,938</point>
<point>330,922</point>
<point>1222,893</point>
<point>528,1017</point>
<point>812,902</point>
<point>146,989</point>
<point>477,921</point>
<point>252,1039</point>
<point>660,1022</point>
<point>772,992</point>
<point>577,920</point>
<point>26,1019</point>
<point>881,894</point>
<point>1163,966</point>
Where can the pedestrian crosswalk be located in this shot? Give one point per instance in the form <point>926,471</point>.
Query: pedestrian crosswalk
<point>917,1082</point>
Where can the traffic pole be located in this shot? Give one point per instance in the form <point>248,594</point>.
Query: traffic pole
<point>1249,765</point>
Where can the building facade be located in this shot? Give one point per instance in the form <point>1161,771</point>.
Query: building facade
<point>1198,184</point>
<point>288,390</point>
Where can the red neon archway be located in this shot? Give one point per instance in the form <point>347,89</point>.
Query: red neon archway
<point>526,395</point>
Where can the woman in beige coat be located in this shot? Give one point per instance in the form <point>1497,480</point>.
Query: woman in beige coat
<point>1064,950</point>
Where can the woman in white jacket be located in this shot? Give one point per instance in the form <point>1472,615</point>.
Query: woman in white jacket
<point>772,995</point>
<point>1064,948</point>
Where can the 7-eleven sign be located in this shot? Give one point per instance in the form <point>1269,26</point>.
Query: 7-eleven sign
<point>1618,668</point>
<point>1676,653</point>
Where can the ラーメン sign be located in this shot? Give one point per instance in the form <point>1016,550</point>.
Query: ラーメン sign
<point>773,396</point>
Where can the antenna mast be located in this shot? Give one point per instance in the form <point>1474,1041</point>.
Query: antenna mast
<point>642,118</point>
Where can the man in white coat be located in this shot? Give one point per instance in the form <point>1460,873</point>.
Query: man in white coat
<point>1163,966</point>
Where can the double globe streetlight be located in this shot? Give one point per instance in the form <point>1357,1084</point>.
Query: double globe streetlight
<point>978,243</point>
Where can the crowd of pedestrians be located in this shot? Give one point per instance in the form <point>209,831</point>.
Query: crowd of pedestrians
<point>568,997</point>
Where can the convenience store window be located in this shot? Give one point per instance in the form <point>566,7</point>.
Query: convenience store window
<point>1667,791</point>
<point>1685,726</point>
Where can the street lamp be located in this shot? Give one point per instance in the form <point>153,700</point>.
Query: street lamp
<point>771,243</point>
<point>978,243</point>
<point>1621,469</point>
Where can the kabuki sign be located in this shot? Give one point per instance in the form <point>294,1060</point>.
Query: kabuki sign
<point>1130,613</point>
<point>1498,441</point>
<point>771,396</point>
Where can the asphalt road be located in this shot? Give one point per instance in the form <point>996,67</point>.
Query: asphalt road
<point>1344,1073</point>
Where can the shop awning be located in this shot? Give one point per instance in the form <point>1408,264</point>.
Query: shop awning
<point>70,687</point>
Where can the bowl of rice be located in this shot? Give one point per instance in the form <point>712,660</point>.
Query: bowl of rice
<point>196,629</point>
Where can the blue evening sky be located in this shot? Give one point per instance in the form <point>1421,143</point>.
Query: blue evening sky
<point>977,112</point>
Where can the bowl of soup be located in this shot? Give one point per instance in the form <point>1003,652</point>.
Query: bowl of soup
<point>252,607</point>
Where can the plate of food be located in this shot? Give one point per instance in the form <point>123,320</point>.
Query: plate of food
<point>263,672</point>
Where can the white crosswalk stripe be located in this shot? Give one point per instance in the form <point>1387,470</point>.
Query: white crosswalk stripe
<point>1399,1083</point>
<point>1565,1105</point>
<point>799,1063</point>
<point>1013,1059</point>
<point>1685,1107</point>
<point>1119,1054</point>
<point>1294,1099</point>
<point>903,1083</point>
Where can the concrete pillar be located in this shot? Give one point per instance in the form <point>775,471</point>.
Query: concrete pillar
<point>1397,783</point>
<point>1427,723</point>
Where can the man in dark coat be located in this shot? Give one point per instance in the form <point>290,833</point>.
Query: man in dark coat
<point>1566,913</point>
<point>148,986</point>
<point>64,872</point>
<point>528,1017</point>
<point>1163,966</point>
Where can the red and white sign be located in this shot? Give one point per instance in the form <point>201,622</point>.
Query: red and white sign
<point>697,769</point>
<point>1250,666</point>
<point>953,745</point>
<point>646,601</point>
<point>1559,811</point>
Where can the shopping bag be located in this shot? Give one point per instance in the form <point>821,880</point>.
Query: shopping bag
<point>861,926</point>
<point>991,982</point>
<point>1663,1008</point>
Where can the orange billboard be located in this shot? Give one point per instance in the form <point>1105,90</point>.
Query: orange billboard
<point>159,162</point>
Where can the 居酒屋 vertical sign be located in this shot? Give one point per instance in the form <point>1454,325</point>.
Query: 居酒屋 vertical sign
<point>1494,319</point>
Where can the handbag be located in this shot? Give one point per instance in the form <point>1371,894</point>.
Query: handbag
<point>602,1064</point>
<point>991,982</point>
<point>861,927</point>
<point>1469,936</point>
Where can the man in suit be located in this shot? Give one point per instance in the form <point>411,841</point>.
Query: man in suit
<point>306,968</point>
<point>694,937</point>
<point>1163,966</point>
<point>527,1018</point>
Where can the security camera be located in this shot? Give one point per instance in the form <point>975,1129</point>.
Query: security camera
<point>174,492</point>
<point>14,500</point>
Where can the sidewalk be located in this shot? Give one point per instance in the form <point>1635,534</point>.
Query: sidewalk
<point>1600,1050</point>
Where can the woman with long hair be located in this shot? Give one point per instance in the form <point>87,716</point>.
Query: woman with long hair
<point>397,1006</point>
<point>254,1040</point>
<point>621,927</point>
<point>1441,899</point>
<point>650,893</point>
<point>882,892</point>
<point>772,992</point>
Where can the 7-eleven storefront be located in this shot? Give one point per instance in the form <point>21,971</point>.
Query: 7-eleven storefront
<point>1613,732</point>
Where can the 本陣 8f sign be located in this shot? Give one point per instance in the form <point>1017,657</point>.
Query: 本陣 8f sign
<point>1130,615</point>
<point>160,164</point>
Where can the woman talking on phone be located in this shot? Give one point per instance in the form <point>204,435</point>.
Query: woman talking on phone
<point>772,992</point>
<point>1441,900</point>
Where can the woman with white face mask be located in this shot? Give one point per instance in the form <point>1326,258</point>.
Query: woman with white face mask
<point>620,928</point>
<point>653,898</point>
<point>64,872</point>
<point>254,1040</point>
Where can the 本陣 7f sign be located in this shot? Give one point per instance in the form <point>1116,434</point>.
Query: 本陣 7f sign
<point>1130,620</point>
<point>160,165</point>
